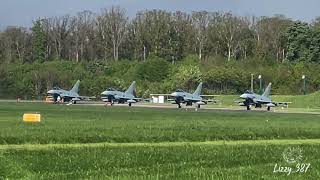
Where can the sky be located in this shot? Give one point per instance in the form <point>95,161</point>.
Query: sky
<point>23,12</point>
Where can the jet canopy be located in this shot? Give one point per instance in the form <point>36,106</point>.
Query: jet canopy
<point>56,88</point>
<point>179,90</point>
<point>111,89</point>
<point>248,92</point>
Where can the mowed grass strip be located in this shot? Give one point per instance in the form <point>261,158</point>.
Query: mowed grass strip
<point>63,124</point>
<point>163,144</point>
<point>183,161</point>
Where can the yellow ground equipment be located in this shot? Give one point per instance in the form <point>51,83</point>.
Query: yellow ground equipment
<point>31,117</point>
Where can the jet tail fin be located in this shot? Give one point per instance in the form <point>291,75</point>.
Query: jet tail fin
<point>197,92</point>
<point>266,92</point>
<point>131,88</point>
<point>75,88</point>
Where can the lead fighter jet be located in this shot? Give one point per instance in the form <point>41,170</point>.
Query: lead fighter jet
<point>67,96</point>
<point>253,99</point>
<point>111,95</point>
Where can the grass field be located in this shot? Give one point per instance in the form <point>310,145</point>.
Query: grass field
<point>96,142</point>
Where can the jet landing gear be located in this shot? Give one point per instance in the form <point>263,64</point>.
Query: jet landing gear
<point>130,104</point>
<point>198,106</point>
<point>247,104</point>
<point>258,106</point>
<point>269,108</point>
<point>179,101</point>
<point>110,102</point>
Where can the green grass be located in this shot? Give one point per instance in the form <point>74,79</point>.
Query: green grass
<point>80,142</point>
<point>301,101</point>
<point>83,124</point>
<point>155,162</point>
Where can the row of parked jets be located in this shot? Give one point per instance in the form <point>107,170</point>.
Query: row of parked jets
<point>179,97</point>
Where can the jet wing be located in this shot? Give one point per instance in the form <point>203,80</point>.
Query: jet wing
<point>86,98</point>
<point>275,103</point>
<point>283,103</point>
<point>210,95</point>
<point>129,99</point>
<point>137,99</point>
<point>210,100</point>
<point>160,94</point>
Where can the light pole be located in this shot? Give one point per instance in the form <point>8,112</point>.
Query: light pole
<point>260,83</point>
<point>251,82</point>
<point>304,84</point>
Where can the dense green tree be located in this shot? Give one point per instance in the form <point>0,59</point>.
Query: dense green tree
<point>39,41</point>
<point>154,70</point>
<point>270,41</point>
<point>303,43</point>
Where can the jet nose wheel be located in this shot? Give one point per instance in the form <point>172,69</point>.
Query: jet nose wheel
<point>55,98</point>
<point>247,104</point>
<point>110,98</point>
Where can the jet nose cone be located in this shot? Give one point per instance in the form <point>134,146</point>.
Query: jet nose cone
<point>50,92</point>
<point>173,94</point>
<point>105,93</point>
<point>244,96</point>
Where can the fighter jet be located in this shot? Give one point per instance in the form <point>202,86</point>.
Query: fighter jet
<point>182,97</point>
<point>253,99</point>
<point>111,95</point>
<point>67,96</point>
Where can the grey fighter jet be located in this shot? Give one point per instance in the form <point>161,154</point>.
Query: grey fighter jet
<point>182,97</point>
<point>67,96</point>
<point>253,99</point>
<point>111,95</point>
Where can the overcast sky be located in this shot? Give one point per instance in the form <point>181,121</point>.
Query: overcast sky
<point>22,12</point>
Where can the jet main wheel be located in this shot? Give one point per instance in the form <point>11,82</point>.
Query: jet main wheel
<point>179,105</point>
<point>130,104</point>
<point>199,106</point>
<point>58,99</point>
<point>248,108</point>
<point>258,106</point>
<point>268,108</point>
<point>74,102</point>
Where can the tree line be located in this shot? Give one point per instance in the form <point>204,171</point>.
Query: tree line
<point>57,50</point>
<point>112,35</point>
